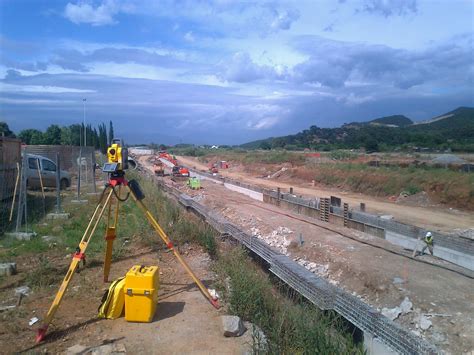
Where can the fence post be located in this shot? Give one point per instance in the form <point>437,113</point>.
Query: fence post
<point>58,184</point>
<point>22,204</point>
<point>93,171</point>
<point>79,165</point>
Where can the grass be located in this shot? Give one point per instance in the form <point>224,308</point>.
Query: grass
<point>44,275</point>
<point>238,156</point>
<point>442,185</point>
<point>290,325</point>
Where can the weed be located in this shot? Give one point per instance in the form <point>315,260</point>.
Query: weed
<point>43,275</point>
<point>291,326</point>
<point>412,190</point>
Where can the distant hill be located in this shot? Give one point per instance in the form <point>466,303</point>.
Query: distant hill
<point>395,120</point>
<point>461,116</point>
<point>452,130</point>
<point>390,121</point>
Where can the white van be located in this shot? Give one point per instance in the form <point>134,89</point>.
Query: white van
<point>48,173</point>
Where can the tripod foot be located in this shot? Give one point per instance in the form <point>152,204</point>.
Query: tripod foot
<point>215,303</point>
<point>41,334</point>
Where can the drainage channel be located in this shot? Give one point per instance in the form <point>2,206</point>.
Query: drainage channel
<point>315,289</point>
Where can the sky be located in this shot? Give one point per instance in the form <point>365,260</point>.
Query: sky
<point>229,72</point>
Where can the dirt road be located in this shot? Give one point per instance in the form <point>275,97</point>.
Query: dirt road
<point>439,219</point>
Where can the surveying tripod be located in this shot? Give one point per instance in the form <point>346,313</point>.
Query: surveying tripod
<point>113,189</point>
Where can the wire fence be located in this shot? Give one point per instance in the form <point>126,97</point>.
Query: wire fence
<point>30,177</point>
<point>10,167</point>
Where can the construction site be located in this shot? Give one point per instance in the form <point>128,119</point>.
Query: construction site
<point>236,177</point>
<point>354,264</point>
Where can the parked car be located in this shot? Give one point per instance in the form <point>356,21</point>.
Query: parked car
<point>48,173</point>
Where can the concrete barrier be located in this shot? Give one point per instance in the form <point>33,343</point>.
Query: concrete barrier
<point>454,249</point>
<point>252,194</point>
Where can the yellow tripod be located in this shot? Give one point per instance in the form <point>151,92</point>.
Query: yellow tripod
<point>106,202</point>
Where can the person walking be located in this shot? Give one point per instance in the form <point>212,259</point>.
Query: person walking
<point>428,243</point>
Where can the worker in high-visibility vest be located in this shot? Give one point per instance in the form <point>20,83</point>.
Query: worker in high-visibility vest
<point>428,243</point>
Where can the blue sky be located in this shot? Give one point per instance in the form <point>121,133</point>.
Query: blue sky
<point>227,72</point>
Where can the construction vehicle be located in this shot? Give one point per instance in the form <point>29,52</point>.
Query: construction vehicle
<point>223,164</point>
<point>165,155</point>
<point>109,202</point>
<point>194,183</point>
<point>180,171</point>
<point>213,168</point>
<point>159,169</point>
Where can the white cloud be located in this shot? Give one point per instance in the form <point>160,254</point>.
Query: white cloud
<point>264,123</point>
<point>46,89</point>
<point>101,15</point>
<point>189,37</point>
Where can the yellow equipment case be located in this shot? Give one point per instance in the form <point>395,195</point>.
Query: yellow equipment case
<point>141,293</point>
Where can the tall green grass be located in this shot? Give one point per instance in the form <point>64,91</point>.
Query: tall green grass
<point>290,325</point>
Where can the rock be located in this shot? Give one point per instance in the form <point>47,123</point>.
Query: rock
<point>76,349</point>
<point>259,340</point>
<point>391,313</point>
<point>23,290</point>
<point>7,269</point>
<point>232,326</point>
<point>406,306</point>
<point>398,281</point>
<point>106,349</point>
<point>57,216</point>
<point>425,323</point>
<point>438,337</point>
<point>48,238</point>
<point>21,235</point>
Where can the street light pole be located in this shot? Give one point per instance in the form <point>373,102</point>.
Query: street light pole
<point>85,130</point>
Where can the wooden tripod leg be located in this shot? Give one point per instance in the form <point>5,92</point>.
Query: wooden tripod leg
<point>77,257</point>
<point>170,246</point>
<point>110,235</point>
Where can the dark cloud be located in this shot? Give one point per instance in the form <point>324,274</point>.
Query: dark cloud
<point>170,112</point>
<point>76,60</point>
<point>284,19</point>
<point>240,68</point>
<point>333,63</point>
<point>144,110</point>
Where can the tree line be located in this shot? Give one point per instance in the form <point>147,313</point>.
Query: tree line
<point>454,133</point>
<point>75,134</point>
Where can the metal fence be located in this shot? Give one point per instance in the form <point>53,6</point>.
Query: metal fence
<point>10,165</point>
<point>26,195</point>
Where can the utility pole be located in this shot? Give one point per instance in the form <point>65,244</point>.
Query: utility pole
<point>85,130</point>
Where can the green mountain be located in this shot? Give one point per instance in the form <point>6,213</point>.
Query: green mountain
<point>391,121</point>
<point>453,130</point>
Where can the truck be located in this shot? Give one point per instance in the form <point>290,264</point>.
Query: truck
<point>180,171</point>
